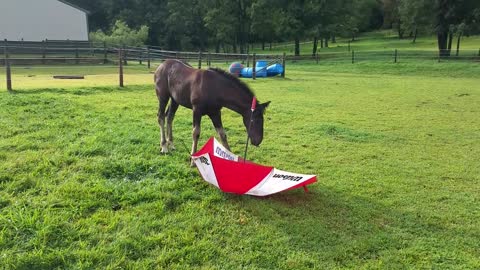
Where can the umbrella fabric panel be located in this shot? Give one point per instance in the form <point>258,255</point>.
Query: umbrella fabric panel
<point>279,180</point>
<point>203,163</point>
<point>238,177</point>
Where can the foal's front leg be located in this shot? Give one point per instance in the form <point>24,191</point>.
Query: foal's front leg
<point>197,118</point>
<point>161,123</point>
<point>170,115</point>
<point>217,123</point>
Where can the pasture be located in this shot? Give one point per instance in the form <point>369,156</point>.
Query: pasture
<point>378,41</point>
<point>395,147</point>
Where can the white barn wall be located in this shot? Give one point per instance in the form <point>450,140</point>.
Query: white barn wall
<point>36,20</point>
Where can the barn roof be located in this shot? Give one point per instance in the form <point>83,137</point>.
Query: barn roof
<point>75,6</point>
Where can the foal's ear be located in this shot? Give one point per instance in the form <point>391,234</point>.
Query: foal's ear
<point>264,106</point>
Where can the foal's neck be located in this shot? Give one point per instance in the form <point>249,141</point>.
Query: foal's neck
<point>239,103</point>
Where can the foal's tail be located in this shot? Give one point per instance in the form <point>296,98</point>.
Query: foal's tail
<point>160,79</point>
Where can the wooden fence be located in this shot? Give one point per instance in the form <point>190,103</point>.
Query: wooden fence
<point>51,52</point>
<point>84,52</point>
<point>71,53</point>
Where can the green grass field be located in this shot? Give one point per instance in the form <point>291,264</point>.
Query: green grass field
<point>395,148</point>
<point>385,40</point>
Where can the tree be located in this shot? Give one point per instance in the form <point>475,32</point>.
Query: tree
<point>228,22</point>
<point>295,19</point>
<point>185,26</point>
<point>263,26</point>
<point>415,16</point>
<point>446,18</point>
<point>219,23</point>
<point>327,19</point>
<point>121,34</point>
<point>354,16</point>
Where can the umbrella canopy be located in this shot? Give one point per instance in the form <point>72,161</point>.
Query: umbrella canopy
<point>230,173</point>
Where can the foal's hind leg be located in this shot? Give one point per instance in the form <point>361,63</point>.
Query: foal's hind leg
<point>217,123</point>
<point>197,118</point>
<point>170,115</point>
<point>161,121</point>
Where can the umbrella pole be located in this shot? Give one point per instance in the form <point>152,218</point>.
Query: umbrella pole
<point>254,105</point>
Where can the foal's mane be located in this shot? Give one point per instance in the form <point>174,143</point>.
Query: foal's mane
<point>233,79</point>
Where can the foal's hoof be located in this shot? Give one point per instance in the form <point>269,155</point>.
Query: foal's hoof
<point>164,150</point>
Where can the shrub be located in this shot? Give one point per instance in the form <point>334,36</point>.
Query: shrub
<point>121,34</point>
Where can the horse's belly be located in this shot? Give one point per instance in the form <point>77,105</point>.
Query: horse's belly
<point>182,97</point>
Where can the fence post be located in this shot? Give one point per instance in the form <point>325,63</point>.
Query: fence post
<point>208,60</point>
<point>7,66</point>
<point>76,55</point>
<point>254,65</point>
<point>283,63</point>
<point>148,56</point>
<point>120,66</point>
<point>396,54</point>
<point>200,60</point>
<point>124,57</point>
<point>92,50</point>
<point>140,59</point>
<point>44,50</point>
<point>353,56</point>
<point>105,53</point>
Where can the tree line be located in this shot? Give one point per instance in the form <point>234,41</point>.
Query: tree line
<point>231,25</point>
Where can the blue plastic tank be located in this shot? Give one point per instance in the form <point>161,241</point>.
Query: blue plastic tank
<point>246,72</point>
<point>261,68</point>
<point>274,70</point>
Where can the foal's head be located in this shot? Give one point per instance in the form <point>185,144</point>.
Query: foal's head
<point>255,130</point>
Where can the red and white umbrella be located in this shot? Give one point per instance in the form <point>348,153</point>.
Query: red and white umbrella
<point>230,173</point>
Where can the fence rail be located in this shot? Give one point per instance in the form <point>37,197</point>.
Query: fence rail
<point>57,51</point>
<point>27,53</point>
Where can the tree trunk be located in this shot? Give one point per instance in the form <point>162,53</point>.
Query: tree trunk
<point>334,39</point>
<point>270,45</point>
<point>450,40</point>
<point>217,46</point>
<point>297,46</point>
<point>401,32</point>
<point>442,43</point>
<point>321,42</point>
<point>235,45</point>
<point>263,45</point>
<point>315,42</point>
<point>458,43</point>
<point>326,42</point>
<point>415,35</point>
<point>442,27</point>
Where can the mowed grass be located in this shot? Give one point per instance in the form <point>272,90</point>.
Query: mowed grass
<point>395,148</point>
